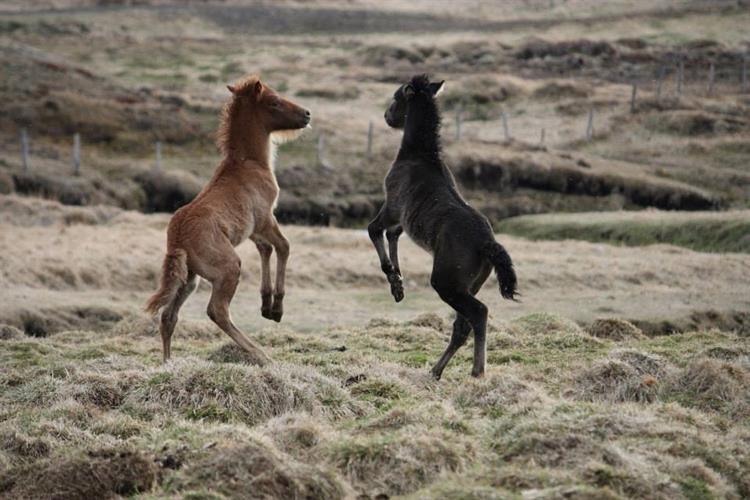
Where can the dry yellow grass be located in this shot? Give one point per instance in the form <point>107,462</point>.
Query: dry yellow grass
<point>76,270</point>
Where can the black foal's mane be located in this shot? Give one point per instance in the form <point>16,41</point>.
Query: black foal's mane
<point>422,128</point>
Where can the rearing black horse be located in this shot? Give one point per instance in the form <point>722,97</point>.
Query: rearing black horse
<point>422,198</point>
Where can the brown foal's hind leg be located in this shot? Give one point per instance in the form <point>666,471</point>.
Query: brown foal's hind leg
<point>274,236</point>
<point>224,286</point>
<point>266,291</point>
<point>169,315</point>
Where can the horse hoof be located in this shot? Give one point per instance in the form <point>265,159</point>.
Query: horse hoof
<point>266,313</point>
<point>397,290</point>
<point>477,374</point>
<point>435,375</point>
<point>276,316</point>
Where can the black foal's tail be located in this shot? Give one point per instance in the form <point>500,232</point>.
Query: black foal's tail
<point>506,275</point>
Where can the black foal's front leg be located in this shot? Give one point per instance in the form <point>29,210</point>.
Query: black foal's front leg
<point>376,229</point>
<point>396,280</point>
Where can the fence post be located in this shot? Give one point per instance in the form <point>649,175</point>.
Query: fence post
<point>680,76</point>
<point>25,149</point>
<point>370,132</point>
<point>711,77</point>
<point>76,154</point>
<point>541,138</point>
<point>321,145</point>
<point>157,165</point>
<point>590,125</point>
<point>632,97</point>
<point>459,119</point>
<point>744,74</point>
<point>506,131</point>
<point>659,81</point>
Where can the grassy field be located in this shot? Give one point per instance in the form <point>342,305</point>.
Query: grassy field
<point>603,413</point>
<point>577,401</point>
<point>706,231</point>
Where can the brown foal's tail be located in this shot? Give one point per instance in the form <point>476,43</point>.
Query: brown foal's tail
<point>506,275</point>
<point>173,275</point>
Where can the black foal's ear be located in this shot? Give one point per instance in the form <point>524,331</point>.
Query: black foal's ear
<point>409,91</point>
<point>436,88</point>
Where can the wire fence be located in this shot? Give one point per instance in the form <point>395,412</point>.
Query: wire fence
<point>677,79</point>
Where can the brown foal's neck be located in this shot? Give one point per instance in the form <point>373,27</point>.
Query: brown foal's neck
<point>248,140</point>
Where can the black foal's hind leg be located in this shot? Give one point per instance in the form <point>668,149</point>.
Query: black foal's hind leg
<point>461,330</point>
<point>475,313</point>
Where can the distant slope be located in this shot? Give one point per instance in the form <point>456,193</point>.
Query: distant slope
<point>702,231</point>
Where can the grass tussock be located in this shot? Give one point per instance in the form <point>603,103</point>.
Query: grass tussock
<point>254,470</point>
<point>105,473</point>
<point>201,390</point>
<point>399,463</point>
<point>626,375</point>
<point>712,385</point>
<point>559,412</point>
<point>135,326</point>
<point>232,353</point>
<point>549,330</point>
<point>10,332</point>
<point>614,329</point>
<point>499,394</point>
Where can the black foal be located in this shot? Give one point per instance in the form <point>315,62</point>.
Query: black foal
<point>421,197</point>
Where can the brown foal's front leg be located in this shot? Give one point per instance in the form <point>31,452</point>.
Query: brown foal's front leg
<point>279,242</point>
<point>375,230</point>
<point>266,291</point>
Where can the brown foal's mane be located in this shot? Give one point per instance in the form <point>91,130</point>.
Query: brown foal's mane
<point>230,111</point>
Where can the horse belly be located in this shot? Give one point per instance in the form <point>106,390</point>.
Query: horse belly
<point>418,234</point>
<point>243,231</point>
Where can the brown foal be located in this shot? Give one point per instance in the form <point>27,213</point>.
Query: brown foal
<point>236,204</point>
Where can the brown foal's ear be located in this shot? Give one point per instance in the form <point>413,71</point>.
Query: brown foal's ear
<point>257,89</point>
<point>231,88</point>
<point>409,91</point>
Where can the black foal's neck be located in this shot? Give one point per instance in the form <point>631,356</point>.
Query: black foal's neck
<point>421,130</point>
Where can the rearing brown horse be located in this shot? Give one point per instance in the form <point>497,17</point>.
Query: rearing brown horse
<point>236,204</point>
